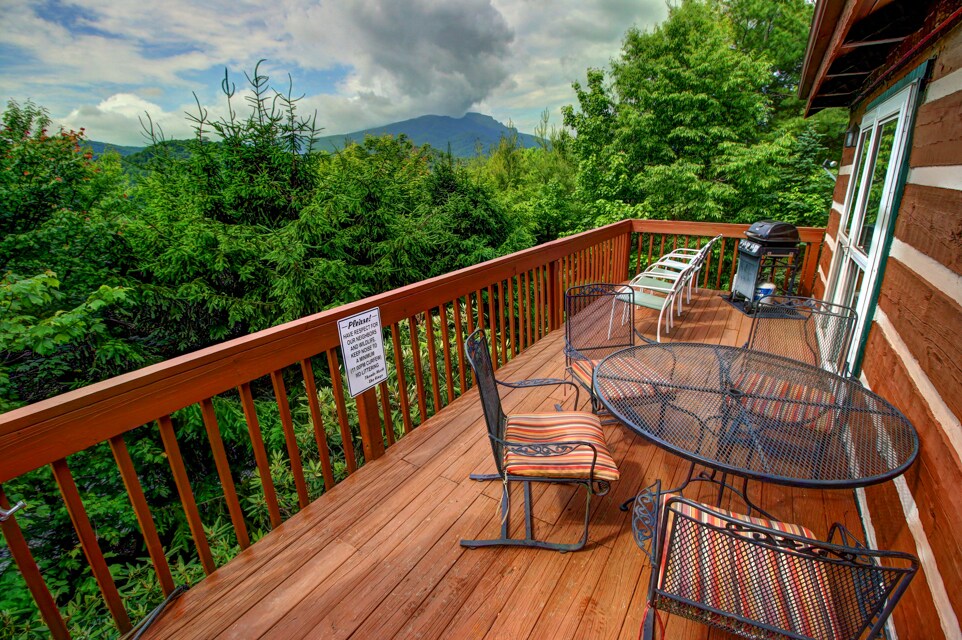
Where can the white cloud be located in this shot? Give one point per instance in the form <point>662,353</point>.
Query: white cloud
<point>101,63</point>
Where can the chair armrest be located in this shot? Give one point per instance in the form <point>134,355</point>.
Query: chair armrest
<point>845,538</point>
<point>642,287</point>
<point>540,382</point>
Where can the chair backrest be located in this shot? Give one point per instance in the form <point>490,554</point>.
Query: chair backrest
<point>722,563</point>
<point>476,349</point>
<point>812,331</point>
<point>595,323</point>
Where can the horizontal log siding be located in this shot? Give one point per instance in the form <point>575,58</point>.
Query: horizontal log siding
<point>838,195</point>
<point>950,54</point>
<point>937,139</point>
<point>834,217</point>
<point>825,262</point>
<point>933,481</point>
<point>930,324</point>
<point>818,291</point>
<point>930,220</point>
<point>916,615</point>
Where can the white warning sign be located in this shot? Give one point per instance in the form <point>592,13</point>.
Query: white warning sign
<point>363,351</point>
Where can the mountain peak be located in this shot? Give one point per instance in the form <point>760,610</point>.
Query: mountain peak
<point>461,135</point>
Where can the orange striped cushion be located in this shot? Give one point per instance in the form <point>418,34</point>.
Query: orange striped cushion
<point>798,403</point>
<point>749,580</point>
<point>583,370</point>
<point>631,368</point>
<point>548,428</point>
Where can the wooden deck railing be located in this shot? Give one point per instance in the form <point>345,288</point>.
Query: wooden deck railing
<point>518,298</point>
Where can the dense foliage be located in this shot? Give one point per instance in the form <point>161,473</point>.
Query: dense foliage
<point>697,120</point>
<point>108,266</point>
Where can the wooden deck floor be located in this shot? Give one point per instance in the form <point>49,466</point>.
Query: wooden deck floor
<point>378,557</point>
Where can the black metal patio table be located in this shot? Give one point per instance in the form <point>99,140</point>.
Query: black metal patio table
<point>756,415</point>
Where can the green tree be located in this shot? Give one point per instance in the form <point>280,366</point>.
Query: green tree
<point>685,128</point>
<point>63,261</point>
<point>217,238</point>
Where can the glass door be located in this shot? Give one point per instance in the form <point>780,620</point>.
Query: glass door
<point>868,208</point>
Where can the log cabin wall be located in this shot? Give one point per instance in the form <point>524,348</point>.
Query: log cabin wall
<point>913,355</point>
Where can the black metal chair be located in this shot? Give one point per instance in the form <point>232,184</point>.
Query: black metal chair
<point>560,447</point>
<point>595,327</point>
<point>805,329</point>
<point>760,578</point>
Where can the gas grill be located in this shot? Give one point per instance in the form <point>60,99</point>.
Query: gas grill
<point>769,246</point>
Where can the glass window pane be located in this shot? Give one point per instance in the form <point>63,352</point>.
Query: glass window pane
<point>857,174</point>
<point>853,285</point>
<point>886,138</point>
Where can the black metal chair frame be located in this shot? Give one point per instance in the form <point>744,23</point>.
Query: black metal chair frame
<point>889,572</point>
<point>802,309</point>
<point>478,354</point>
<point>576,350</point>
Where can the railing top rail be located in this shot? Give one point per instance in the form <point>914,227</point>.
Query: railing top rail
<point>34,435</point>
<point>728,230</point>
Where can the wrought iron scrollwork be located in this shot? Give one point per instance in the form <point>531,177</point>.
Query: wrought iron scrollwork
<point>644,517</point>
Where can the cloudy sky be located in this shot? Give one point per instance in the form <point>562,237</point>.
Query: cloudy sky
<point>100,64</point>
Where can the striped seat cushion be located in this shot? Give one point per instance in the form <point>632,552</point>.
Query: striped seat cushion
<point>550,428</point>
<point>636,372</point>
<point>797,404</point>
<point>753,581</point>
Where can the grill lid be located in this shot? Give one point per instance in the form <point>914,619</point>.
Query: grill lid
<point>771,231</point>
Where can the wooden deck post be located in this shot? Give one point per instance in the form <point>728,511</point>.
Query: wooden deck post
<point>806,279</point>
<point>370,423</point>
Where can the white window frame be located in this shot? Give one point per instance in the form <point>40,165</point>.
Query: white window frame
<point>898,106</point>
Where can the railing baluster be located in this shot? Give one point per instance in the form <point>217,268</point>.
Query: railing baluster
<point>347,438</point>
<point>637,252</point>
<point>493,328</point>
<point>20,551</point>
<point>142,511</point>
<point>418,372</point>
<point>386,410</point>
<point>401,382</point>
<point>459,339</point>
<point>511,316</point>
<point>469,312</point>
<point>446,352</point>
<point>224,473</point>
<point>606,260</point>
<point>707,267</point>
<point>501,323</point>
<point>260,454</point>
<point>320,435</point>
<point>480,309</point>
<point>721,264</point>
<point>731,281</point>
<point>538,304</point>
<point>287,425</point>
<point>176,462</point>
<point>525,302</point>
<point>432,361</point>
<point>88,541</point>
